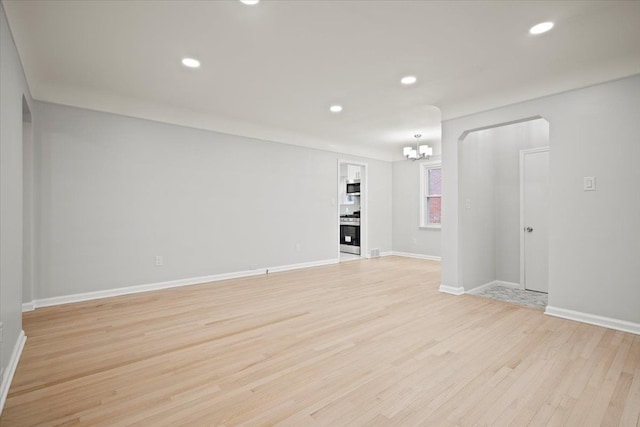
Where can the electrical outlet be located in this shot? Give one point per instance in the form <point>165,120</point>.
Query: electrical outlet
<point>159,260</point>
<point>589,183</point>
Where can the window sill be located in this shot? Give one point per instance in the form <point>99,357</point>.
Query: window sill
<point>430,227</point>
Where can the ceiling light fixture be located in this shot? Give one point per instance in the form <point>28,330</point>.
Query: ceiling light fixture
<point>408,80</point>
<point>335,108</point>
<point>420,152</point>
<point>190,62</point>
<point>540,28</point>
<point>250,2</point>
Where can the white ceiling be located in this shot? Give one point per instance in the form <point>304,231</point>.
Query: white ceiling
<point>271,71</point>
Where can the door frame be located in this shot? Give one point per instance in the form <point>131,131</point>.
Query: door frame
<point>364,208</point>
<point>522,225</point>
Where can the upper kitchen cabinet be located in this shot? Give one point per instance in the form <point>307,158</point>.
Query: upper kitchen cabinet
<point>353,172</point>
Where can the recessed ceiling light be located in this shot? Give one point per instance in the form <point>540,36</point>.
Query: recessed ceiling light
<point>190,62</point>
<point>335,108</point>
<point>250,2</point>
<point>408,80</point>
<point>543,27</point>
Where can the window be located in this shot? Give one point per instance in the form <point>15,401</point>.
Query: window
<point>430,194</point>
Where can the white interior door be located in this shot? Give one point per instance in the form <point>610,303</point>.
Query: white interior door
<point>534,170</point>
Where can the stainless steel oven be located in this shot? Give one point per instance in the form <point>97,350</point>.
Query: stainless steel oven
<point>350,235</point>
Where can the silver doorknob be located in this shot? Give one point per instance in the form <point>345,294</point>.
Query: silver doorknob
<point>529,229</point>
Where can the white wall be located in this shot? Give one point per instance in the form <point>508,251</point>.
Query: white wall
<point>490,192</point>
<point>594,239</point>
<point>408,237</point>
<point>114,192</point>
<point>477,218</point>
<point>13,87</point>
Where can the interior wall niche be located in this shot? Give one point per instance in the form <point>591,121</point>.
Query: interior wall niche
<point>489,179</point>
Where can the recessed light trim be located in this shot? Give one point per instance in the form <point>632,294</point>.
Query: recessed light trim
<point>335,108</point>
<point>190,62</point>
<point>408,80</point>
<point>541,28</point>
<point>250,2</point>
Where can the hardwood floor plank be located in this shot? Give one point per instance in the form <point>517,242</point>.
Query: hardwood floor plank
<point>368,342</point>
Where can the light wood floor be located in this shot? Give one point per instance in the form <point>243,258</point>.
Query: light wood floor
<point>368,342</point>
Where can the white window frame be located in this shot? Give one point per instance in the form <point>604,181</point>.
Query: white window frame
<point>424,187</point>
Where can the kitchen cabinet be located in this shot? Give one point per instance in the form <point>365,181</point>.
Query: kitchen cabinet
<point>353,172</point>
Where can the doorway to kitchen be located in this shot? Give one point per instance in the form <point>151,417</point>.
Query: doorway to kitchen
<point>352,210</point>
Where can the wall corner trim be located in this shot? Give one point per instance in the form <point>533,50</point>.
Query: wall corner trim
<point>11,368</point>
<point>87,296</point>
<point>594,319</point>
<point>451,289</point>
<point>418,256</point>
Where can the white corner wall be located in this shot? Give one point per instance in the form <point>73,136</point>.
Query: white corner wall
<point>13,87</point>
<point>477,192</point>
<point>114,192</point>
<point>594,239</point>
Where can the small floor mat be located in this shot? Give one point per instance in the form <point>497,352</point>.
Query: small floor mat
<point>518,296</point>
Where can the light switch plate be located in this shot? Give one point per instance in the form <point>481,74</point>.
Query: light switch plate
<point>589,183</point>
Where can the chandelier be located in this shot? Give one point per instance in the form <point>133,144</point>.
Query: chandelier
<point>419,152</point>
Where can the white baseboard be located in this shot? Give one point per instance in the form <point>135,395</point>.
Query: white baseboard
<point>11,369</point>
<point>388,253</point>
<point>593,319</point>
<point>493,283</point>
<point>418,256</point>
<point>302,265</point>
<point>87,296</point>
<point>451,289</point>
<point>28,306</point>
